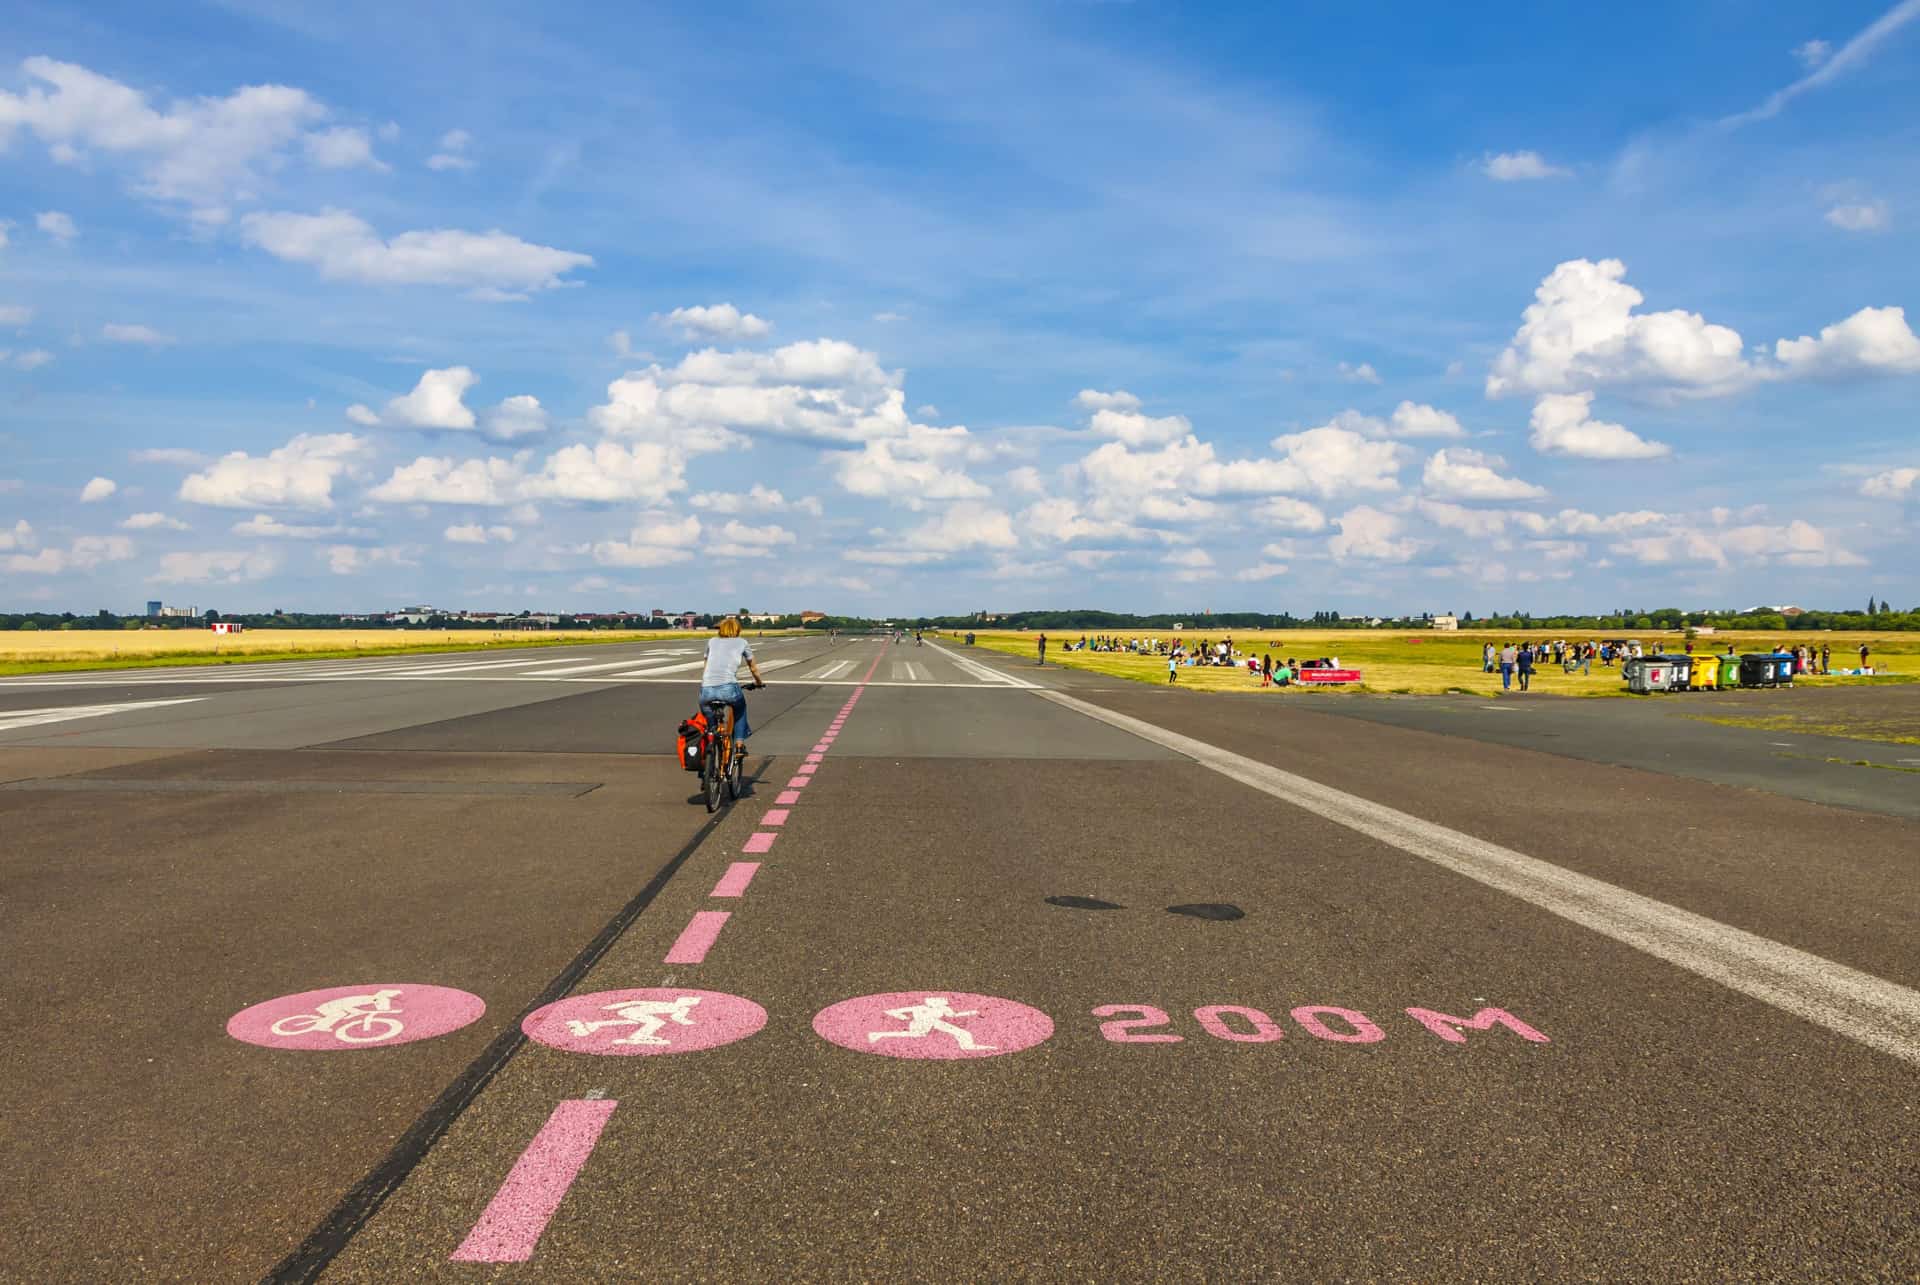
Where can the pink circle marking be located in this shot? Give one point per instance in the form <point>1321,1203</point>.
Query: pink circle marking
<point>932,1024</point>
<point>650,1020</point>
<point>374,1015</point>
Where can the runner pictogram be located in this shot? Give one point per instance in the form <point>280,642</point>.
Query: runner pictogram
<point>657,1020</point>
<point>356,1017</point>
<point>933,1025</point>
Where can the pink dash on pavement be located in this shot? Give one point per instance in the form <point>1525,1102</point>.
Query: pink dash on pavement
<point>734,882</point>
<point>797,782</point>
<point>807,769</point>
<point>511,1225</point>
<point>821,748</point>
<point>697,938</point>
<point>815,758</point>
<point>761,841</point>
<point>787,798</point>
<point>774,816</point>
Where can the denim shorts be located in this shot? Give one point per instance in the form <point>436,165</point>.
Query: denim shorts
<point>732,694</point>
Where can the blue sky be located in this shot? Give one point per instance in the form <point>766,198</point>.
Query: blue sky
<point>928,308</point>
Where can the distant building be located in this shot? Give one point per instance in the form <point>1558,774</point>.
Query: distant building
<point>808,617</point>
<point>764,617</point>
<point>227,627</point>
<point>1445,622</point>
<point>153,606</point>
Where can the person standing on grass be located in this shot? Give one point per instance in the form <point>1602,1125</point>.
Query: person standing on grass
<point>1509,657</point>
<point>1043,649</point>
<point>1526,666</point>
<point>1486,659</point>
<point>1863,656</point>
<point>1173,667</point>
<point>1266,669</point>
<point>1826,658</point>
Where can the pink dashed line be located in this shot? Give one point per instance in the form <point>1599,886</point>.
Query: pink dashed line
<point>760,841</point>
<point>697,938</point>
<point>511,1225</point>
<point>798,782</point>
<point>774,816</point>
<point>815,758</point>
<point>734,882</point>
<point>807,769</point>
<point>821,748</point>
<point>787,798</point>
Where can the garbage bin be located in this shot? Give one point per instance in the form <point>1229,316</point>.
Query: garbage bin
<point>1649,674</point>
<point>1783,668</point>
<point>1729,672</point>
<point>1682,667</point>
<point>1759,670</point>
<point>1705,674</point>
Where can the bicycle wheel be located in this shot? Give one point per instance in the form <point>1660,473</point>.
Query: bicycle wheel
<point>296,1024</point>
<point>711,773</point>
<point>736,773</point>
<point>370,1029</point>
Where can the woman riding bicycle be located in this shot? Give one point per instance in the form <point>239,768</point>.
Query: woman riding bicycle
<point>721,681</point>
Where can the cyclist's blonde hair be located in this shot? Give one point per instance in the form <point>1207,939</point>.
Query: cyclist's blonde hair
<point>730,627</point>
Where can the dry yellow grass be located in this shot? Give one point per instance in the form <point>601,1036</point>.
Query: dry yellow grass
<point>34,650</point>
<point>1430,663</point>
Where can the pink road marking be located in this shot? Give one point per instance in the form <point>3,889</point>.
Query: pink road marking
<point>373,1015</point>
<point>734,882</point>
<point>798,782</point>
<point>932,1024</point>
<point>697,938</point>
<point>821,748</point>
<point>645,1023</point>
<point>807,769</point>
<point>511,1225</point>
<point>774,816</point>
<point>759,841</point>
<point>816,757</point>
<point>787,798</point>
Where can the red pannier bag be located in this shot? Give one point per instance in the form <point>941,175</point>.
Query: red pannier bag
<point>692,731</point>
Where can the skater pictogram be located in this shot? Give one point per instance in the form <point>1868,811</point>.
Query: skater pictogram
<point>656,1020</point>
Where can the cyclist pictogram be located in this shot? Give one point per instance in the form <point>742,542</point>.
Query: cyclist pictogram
<point>353,1019</point>
<point>356,1017</point>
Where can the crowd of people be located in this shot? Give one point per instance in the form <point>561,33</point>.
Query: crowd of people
<point>1517,662</point>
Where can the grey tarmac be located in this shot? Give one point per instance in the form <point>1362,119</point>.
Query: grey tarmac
<point>300,833</point>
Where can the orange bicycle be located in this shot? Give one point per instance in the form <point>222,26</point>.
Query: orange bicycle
<point>722,763</point>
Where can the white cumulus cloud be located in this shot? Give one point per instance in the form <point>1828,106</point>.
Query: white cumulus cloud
<point>653,542</point>
<point>342,148</point>
<point>1861,216</point>
<point>1873,341</point>
<point>98,489</point>
<point>1894,484</point>
<point>1509,167</point>
<point>453,152</point>
<point>474,533</point>
<point>152,522</point>
<point>1563,424</point>
<point>345,247</point>
<point>299,475</point>
<point>1460,474</point>
<point>1582,332</point>
<point>56,224</point>
<point>716,321</point>
<point>1372,535</point>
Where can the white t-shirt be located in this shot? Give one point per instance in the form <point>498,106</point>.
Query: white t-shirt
<point>723,661</point>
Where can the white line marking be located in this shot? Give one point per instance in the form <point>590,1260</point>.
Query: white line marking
<point>13,719</point>
<point>1877,1013</point>
<point>836,668</point>
<point>981,671</point>
<point>579,669</point>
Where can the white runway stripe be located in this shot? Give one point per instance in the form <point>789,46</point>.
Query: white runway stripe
<point>834,670</point>
<point>1871,1010</point>
<point>13,719</point>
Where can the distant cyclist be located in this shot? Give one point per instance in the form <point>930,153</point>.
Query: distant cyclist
<point>721,680</point>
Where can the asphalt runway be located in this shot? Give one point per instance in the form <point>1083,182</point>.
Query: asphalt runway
<point>997,973</point>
